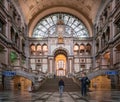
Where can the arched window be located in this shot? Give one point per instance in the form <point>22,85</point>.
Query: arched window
<point>32,49</point>
<point>88,48</point>
<point>45,48</point>
<point>73,26</point>
<point>39,47</point>
<point>82,48</point>
<point>76,47</point>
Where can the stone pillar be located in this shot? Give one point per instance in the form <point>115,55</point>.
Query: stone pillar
<point>70,63</point>
<point>93,54</point>
<point>54,66</point>
<point>66,66</point>
<point>27,52</point>
<point>111,58</point>
<point>51,67</point>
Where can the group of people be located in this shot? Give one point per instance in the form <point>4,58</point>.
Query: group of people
<point>84,80</point>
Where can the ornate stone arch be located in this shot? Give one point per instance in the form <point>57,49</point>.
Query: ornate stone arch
<point>60,50</point>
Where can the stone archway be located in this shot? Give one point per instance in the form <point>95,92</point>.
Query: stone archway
<point>60,62</point>
<point>21,83</point>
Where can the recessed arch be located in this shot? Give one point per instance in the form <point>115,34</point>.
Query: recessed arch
<point>45,47</point>
<point>60,60</point>
<point>82,47</point>
<point>33,47</point>
<point>76,47</point>
<point>88,47</point>
<point>38,47</point>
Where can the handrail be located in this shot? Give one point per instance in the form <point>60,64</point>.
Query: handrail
<point>100,70</point>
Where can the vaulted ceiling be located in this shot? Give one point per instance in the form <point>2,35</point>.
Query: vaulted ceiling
<point>31,8</point>
<point>83,9</point>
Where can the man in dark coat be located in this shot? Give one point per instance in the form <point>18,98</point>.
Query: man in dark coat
<point>84,82</point>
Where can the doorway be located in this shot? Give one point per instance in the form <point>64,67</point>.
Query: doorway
<point>60,65</point>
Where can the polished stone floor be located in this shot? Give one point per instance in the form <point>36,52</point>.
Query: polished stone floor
<point>94,96</point>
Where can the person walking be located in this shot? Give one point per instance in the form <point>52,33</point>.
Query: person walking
<point>61,86</point>
<point>84,84</point>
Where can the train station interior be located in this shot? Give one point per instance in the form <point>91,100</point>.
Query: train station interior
<point>42,41</point>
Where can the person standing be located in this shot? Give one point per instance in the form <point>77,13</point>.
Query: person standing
<point>54,76</point>
<point>84,83</point>
<point>61,86</point>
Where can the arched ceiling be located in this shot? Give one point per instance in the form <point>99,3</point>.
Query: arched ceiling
<point>31,8</point>
<point>86,8</point>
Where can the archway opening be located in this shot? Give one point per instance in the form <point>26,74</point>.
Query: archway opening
<point>102,82</point>
<point>60,64</point>
<point>21,83</point>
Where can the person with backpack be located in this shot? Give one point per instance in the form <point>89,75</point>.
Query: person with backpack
<point>84,84</point>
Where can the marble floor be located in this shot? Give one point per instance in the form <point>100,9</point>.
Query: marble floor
<point>94,96</point>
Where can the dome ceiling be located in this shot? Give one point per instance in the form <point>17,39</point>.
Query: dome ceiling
<point>31,8</point>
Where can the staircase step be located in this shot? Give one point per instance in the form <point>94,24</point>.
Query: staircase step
<point>51,85</point>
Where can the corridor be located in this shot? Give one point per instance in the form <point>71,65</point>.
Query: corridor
<point>94,96</point>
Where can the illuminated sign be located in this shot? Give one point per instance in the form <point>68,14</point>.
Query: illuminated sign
<point>9,73</point>
<point>111,72</point>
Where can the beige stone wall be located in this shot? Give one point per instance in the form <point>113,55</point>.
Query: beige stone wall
<point>100,83</point>
<point>25,83</point>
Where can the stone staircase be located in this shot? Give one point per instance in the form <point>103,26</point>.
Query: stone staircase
<point>51,85</point>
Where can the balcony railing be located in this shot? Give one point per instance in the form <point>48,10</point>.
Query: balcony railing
<point>20,68</point>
